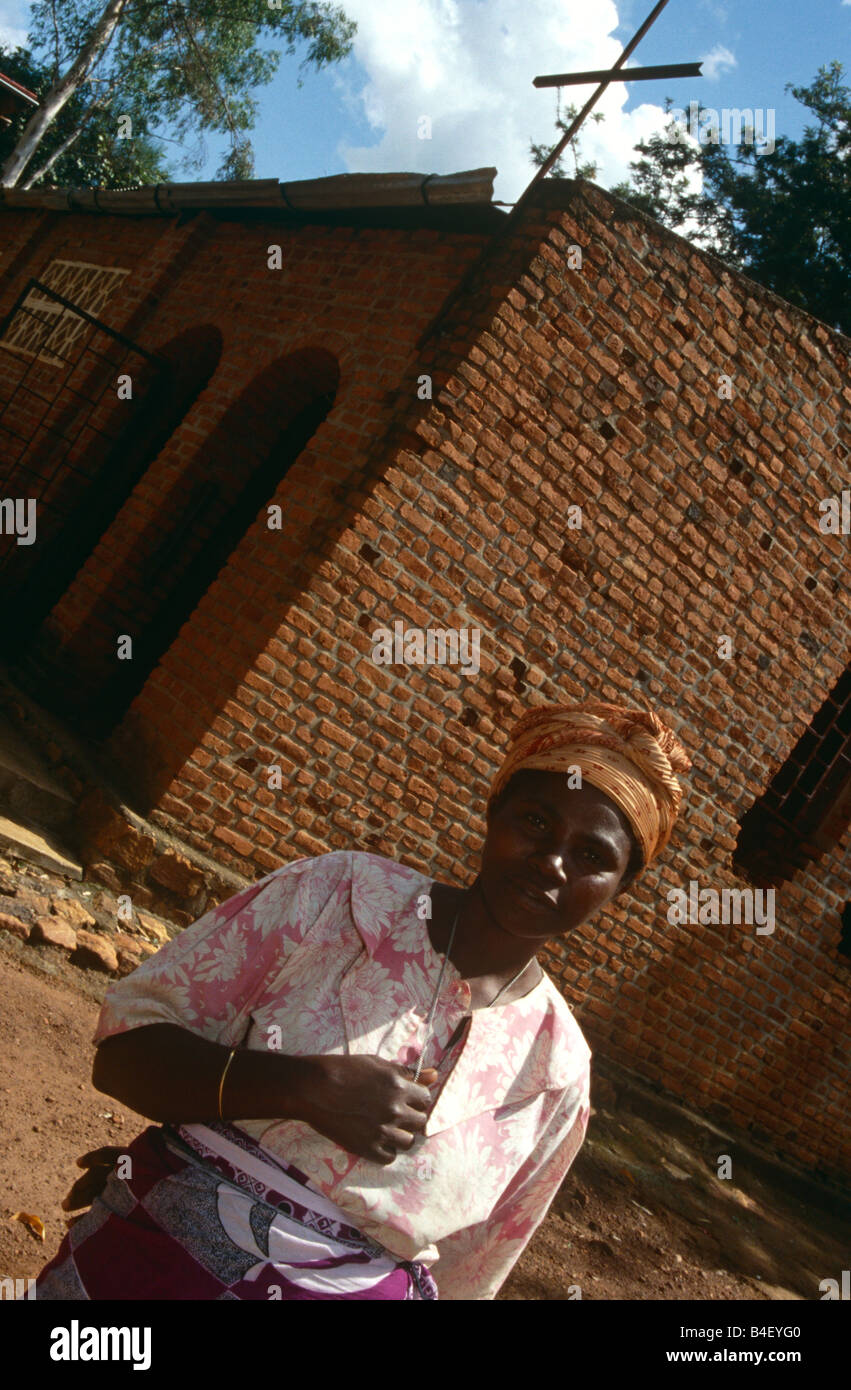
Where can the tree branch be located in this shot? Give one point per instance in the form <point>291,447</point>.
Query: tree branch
<point>57,154</point>
<point>61,92</point>
<point>200,56</point>
<point>66,144</point>
<point>55,39</point>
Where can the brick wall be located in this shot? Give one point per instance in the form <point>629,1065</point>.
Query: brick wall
<point>597,386</point>
<point>341,297</point>
<point>70,412</point>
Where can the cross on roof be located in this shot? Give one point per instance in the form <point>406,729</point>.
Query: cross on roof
<point>577,79</point>
<point>605,76</point>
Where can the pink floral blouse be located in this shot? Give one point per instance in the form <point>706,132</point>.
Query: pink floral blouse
<point>329,955</point>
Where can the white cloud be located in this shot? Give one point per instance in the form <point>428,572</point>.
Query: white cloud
<point>468,65</point>
<point>13,23</point>
<point>11,37</point>
<point>716,61</point>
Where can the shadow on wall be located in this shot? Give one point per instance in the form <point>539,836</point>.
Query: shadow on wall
<point>53,668</point>
<point>241,468</point>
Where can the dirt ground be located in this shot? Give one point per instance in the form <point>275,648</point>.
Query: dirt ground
<point>640,1216</point>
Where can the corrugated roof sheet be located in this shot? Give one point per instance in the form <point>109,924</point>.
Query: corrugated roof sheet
<point>469,188</point>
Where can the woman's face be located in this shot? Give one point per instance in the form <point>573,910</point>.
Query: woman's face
<point>553,856</point>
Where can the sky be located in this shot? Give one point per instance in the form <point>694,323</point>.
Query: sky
<point>467,65</point>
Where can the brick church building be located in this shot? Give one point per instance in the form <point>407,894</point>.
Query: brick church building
<point>258,423</point>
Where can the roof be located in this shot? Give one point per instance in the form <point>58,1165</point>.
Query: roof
<point>11,85</point>
<point>470,189</point>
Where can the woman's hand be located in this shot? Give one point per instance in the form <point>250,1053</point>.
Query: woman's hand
<point>368,1106</point>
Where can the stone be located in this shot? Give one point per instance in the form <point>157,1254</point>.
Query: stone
<point>38,904</point>
<point>154,928</point>
<point>14,925</point>
<point>71,783</point>
<point>140,896</point>
<point>8,883</point>
<point>127,960</point>
<point>134,850</point>
<point>106,874</point>
<point>73,912</point>
<point>102,830</point>
<point>95,953</point>
<point>105,905</point>
<point>122,942</point>
<point>221,888</point>
<point>178,873</point>
<point>53,931</point>
<point>131,951</point>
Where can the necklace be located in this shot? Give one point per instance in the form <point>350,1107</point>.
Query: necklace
<point>436,995</point>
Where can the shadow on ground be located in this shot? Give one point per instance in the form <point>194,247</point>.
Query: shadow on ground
<point>642,1214</point>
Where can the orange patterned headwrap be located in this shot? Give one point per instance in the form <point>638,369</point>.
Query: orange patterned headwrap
<point>627,753</point>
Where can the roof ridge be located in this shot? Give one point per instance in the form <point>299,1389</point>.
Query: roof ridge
<point>330,193</point>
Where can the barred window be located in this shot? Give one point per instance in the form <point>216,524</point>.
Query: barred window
<point>806,807</point>
<point>45,328</point>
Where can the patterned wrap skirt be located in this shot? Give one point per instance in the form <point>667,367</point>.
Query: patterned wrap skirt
<point>204,1213</point>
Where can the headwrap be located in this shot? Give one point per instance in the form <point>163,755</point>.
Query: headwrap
<point>627,753</point>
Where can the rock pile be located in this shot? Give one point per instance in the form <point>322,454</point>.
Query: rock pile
<point>83,922</point>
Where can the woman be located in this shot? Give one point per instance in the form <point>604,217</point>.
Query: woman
<point>358,1099</point>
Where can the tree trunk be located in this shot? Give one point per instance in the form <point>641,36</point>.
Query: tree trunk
<point>61,92</point>
<point>48,164</point>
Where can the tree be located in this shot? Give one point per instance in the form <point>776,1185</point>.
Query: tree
<point>142,67</point>
<point>82,148</point>
<point>784,217</point>
<point>582,168</point>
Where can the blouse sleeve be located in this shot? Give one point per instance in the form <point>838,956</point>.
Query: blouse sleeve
<point>474,1263</point>
<point>207,978</point>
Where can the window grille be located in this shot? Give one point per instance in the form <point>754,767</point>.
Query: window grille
<point>46,329</point>
<point>807,805</point>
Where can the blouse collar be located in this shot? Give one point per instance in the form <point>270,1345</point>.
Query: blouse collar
<point>558,1053</point>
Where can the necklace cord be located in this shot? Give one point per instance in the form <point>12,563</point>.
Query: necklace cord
<point>436,996</point>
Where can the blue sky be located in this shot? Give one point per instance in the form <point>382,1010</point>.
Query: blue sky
<point>468,65</point>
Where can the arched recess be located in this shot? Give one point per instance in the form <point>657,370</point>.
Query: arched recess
<point>197,526</point>
<point>144,425</point>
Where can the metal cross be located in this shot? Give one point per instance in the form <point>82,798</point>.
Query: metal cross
<point>606,76</point>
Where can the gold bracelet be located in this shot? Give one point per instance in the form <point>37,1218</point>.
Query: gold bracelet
<point>222,1082</point>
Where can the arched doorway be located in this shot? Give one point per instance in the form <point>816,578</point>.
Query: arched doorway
<point>233,474</point>
<point>107,477</point>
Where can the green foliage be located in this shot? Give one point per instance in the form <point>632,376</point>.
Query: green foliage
<point>181,69</point>
<point>784,218</point>
<point>97,156</point>
<point>582,168</point>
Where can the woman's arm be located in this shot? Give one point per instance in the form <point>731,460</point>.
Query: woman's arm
<point>156,1056</point>
<point>367,1105</point>
<point>172,1075</point>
